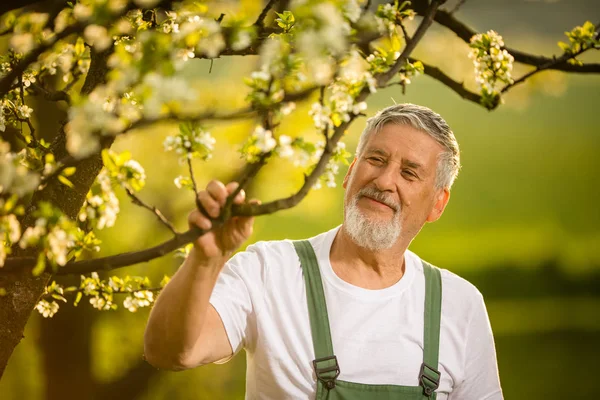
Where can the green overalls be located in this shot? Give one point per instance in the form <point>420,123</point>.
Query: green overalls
<point>325,364</point>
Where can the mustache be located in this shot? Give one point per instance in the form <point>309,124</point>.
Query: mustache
<point>375,194</point>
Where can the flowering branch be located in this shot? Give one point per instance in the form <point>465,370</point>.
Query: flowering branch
<point>567,55</point>
<point>428,17</point>
<point>464,32</point>
<point>126,259</point>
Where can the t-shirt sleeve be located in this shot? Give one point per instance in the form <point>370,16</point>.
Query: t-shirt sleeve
<point>481,369</point>
<point>237,295</point>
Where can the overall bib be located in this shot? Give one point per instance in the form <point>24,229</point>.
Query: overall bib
<point>325,364</point>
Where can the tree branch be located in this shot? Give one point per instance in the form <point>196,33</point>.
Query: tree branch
<point>465,33</point>
<point>137,201</point>
<point>7,6</point>
<point>457,87</point>
<point>562,59</point>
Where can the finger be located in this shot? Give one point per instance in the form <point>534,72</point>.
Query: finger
<point>240,197</point>
<point>218,191</point>
<point>199,220</point>
<point>211,205</point>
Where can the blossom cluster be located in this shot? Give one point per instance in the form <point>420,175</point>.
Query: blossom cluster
<point>192,141</point>
<point>101,206</point>
<point>339,157</point>
<point>101,293</point>
<point>581,38</point>
<point>493,65</point>
<point>10,228</point>
<point>57,238</point>
<point>388,15</point>
<point>260,143</point>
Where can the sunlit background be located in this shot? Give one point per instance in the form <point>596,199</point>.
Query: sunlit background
<point>522,223</point>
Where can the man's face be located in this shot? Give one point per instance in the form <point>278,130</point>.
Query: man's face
<point>390,187</point>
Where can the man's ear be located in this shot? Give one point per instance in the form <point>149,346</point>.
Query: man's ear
<point>347,177</point>
<point>440,205</point>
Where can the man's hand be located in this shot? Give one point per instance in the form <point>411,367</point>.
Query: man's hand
<point>224,240</point>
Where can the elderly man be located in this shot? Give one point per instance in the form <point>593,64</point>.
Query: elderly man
<point>350,313</point>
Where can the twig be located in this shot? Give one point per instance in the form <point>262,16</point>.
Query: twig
<point>457,6</point>
<point>260,21</point>
<point>76,76</point>
<point>410,46</point>
<point>59,95</point>
<point>404,32</point>
<point>137,201</point>
<point>440,76</point>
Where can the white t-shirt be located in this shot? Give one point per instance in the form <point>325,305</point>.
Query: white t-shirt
<point>377,335</point>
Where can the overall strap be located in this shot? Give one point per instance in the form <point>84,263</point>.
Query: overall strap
<point>429,376</point>
<point>325,363</point>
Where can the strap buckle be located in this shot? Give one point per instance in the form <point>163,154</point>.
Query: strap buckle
<point>327,380</point>
<point>429,378</point>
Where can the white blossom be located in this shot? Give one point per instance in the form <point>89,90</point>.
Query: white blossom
<point>24,111</point>
<point>22,42</point>
<point>82,11</point>
<point>285,149</point>
<point>47,309</point>
<point>264,139</point>
<point>60,242</point>
<point>287,108</point>
<point>97,36</point>
<point>141,298</point>
<point>352,10</point>
<point>321,116</point>
<point>100,303</point>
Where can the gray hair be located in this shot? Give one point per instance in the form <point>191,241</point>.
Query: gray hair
<point>428,121</point>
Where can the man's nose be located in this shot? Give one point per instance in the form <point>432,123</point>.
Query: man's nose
<point>386,179</point>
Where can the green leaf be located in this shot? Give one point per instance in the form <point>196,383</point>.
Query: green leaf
<point>108,161</point>
<point>58,297</point>
<point>565,47</point>
<point>77,299</point>
<point>69,171</point>
<point>65,181</point>
<point>79,47</point>
<point>40,266</point>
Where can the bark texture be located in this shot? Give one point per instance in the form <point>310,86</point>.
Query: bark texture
<point>23,289</point>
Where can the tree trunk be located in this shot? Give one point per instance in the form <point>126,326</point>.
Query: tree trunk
<point>23,289</point>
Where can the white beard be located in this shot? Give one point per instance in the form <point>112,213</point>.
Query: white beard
<point>372,234</point>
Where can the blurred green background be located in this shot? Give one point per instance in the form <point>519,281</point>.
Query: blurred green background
<point>522,224</point>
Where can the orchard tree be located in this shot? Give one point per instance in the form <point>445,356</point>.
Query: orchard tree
<point>115,66</point>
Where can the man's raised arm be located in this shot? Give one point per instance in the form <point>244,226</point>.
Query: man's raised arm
<point>184,330</point>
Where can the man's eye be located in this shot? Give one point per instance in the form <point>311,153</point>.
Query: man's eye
<point>375,160</point>
<point>409,173</point>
